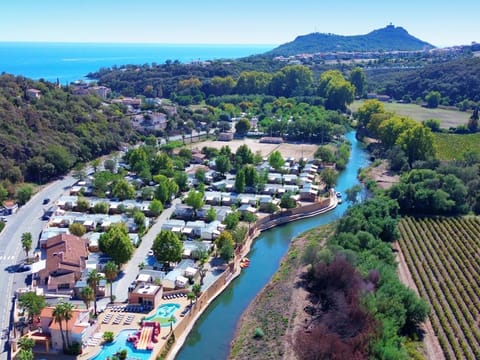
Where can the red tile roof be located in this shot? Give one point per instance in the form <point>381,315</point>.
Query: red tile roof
<point>66,254</point>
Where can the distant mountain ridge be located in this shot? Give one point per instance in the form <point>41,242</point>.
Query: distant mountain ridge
<point>389,38</point>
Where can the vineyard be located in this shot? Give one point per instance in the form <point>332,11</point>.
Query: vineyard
<point>443,256</point>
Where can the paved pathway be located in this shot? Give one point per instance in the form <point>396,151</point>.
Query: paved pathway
<point>130,270</point>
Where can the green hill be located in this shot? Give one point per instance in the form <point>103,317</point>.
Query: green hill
<point>390,38</point>
<point>43,137</point>
<point>456,80</point>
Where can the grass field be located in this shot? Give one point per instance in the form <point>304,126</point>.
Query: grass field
<point>442,255</point>
<point>454,146</point>
<point>448,118</point>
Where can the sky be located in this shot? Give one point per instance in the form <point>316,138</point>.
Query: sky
<point>441,23</point>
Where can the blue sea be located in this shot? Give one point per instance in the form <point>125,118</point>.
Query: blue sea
<point>73,61</point>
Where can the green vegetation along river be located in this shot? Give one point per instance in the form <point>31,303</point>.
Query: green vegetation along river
<point>211,336</point>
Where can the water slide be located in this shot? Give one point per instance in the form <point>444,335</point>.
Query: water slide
<point>145,338</point>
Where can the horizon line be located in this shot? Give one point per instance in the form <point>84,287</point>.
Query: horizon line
<point>129,43</point>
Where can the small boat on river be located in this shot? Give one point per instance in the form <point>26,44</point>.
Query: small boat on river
<point>244,263</point>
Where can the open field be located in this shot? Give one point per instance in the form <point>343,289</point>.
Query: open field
<point>454,146</point>
<point>442,256</point>
<point>286,149</point>
<point>448,118</point>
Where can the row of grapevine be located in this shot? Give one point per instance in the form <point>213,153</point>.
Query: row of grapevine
<point>443,256</point>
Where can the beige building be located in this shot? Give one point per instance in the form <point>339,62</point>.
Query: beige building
<point>146,294</point>
<point>79,327</point>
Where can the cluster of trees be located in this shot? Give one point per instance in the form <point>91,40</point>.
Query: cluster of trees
<point>357,291</point>
<point>400,135</point>
<point>299,121</point>
<point>44,138</point>
<point>188,83</point>
<point>425,191</point>
<point>448,188</point>
<point>334,153</point>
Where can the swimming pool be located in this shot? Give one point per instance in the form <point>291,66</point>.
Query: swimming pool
<point>121,343</point>
<point>163,314</point>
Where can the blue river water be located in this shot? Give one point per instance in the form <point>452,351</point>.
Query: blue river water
<point>211,336</point>
<point>68,62</point>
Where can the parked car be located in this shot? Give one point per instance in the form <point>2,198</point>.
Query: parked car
<point>23,268</point>
<point>46,201</point>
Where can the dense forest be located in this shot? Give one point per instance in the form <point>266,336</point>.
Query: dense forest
<point>42,138</point>
<point>188,84</point>
<point>162,80</point>
<point>458,81</point>
<point>389,38</point>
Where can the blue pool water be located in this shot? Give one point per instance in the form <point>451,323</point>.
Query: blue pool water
<point>164,311</point>
<point>121,343</point>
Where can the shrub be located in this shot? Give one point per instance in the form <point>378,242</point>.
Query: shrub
<point>258,333</point>
<point>75,349</point>
<point>108,336</point>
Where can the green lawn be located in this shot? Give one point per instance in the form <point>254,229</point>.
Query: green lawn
<point>453,146</point>
<point>448,118</point>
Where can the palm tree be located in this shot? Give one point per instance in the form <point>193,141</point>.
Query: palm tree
<point>197,290</point>
<point>93,281</point>
<point>87,296</point>
<point>203,260</point>
<point>58,317</point>
<point>111,272</point>
<point>171,320</point>
<point>191,296</point>
<point>27,242</point>
<point>95,164</point>
<point>67,316</point>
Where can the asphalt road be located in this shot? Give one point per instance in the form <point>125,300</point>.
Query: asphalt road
<point>130,270</point>
<point>27,219</point>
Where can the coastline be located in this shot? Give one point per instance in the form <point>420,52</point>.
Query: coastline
<point>237,270</point>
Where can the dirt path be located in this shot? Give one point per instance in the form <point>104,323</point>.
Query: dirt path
<point>433,351</point>
<point>297,303</point>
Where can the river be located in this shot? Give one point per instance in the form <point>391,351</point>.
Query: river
<point>211,336</point>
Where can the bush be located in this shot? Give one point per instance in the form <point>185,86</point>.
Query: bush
<point>271,208</point>
<point>74,349</point>
<point>101,208</point>
<point>258,333</point>
<point>287,202</point>
<point>108,336</point>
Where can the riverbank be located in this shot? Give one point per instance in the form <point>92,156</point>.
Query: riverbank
<point>234,271</point>
<point>267,327</point>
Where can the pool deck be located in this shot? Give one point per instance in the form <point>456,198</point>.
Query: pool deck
<point>90,351</point>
